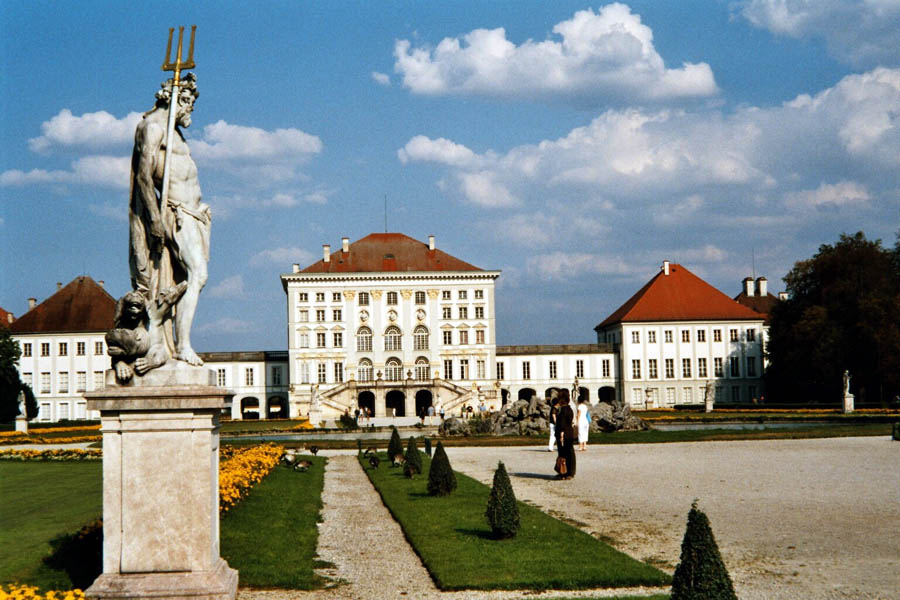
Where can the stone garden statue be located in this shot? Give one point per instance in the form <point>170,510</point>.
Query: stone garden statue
<point>846,383</point>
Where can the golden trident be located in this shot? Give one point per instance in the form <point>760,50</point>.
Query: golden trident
<point>176,66</point>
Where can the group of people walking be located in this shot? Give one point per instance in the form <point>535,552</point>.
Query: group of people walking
<point>564,425</point>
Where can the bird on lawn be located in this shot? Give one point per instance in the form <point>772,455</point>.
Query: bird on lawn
<point>373,460</point>
<point>314,450</point>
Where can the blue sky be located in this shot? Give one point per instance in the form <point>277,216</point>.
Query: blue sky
<point>573,146</point>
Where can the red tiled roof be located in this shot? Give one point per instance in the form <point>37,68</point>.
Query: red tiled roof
<point>679,296</point>
<point>761,304</point>
<point>82,305</point>
<point>380,252</point>
<point>6,317</point>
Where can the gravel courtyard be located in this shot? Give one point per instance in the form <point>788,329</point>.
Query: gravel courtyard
<point>793,518</point>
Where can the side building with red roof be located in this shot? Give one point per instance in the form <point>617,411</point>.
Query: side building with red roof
<point>64,348</point>
<point>679,340</point>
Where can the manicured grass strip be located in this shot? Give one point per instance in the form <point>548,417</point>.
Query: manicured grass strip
<point>271,535</point>
<point>38,502</point>
<point>453,539</point>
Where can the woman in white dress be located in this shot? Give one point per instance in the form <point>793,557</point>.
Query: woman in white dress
<point>583,424</point>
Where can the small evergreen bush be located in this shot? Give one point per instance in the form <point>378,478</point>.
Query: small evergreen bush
<point>441,479</point>
<point>413,458</point>
<point>395,446</point>
<point>502,509</point>
<point>701,574</point>
<point>428,446</point>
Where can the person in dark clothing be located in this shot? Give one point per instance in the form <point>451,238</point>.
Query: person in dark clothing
<point>565,434</point>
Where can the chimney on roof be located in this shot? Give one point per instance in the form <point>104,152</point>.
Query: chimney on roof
<point>665,267</point>
<point>101,283</point>
<point>782,296</point>
<point>10,318</point>
<point>326,252</point>
<point>431,242</point>
<point>345,244</point>
<point>748,286</point>
<point>58,285</point>
<point>31,303</point>
<point>762,287</point>
<point>295,268</point>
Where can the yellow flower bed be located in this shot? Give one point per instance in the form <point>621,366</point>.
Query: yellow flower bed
<point>245,468</point>
<point>33,439</point>
<point>15,591</point>
<point>51,430</point>
<point>305,424</point>
<point>58,454</point>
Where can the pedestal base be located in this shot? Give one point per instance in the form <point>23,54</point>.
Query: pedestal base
<point>220,584</point>
<point>848,403</point>
<point>22,424</point>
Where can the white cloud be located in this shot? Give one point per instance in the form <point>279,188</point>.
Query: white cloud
<point>567,266</point>
<point>844,193</point>
<point>102,171</point>
<point>108,210</point>
<point>381,78</point>
<point>285,256</point>
<point>597,57</point>
<point>227,325</point>
<point>483,188</point>
<point>421,148</point>
<point>222,141</point>
<point>230,287</point>
<point>859,32</point>
<point>93,130</point>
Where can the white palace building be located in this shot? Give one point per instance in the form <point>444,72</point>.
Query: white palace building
<point>393,325</point>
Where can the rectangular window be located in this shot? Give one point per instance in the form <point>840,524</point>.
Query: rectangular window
<point>392,298</point>
<point>320,316</point>
<point>304,372</point>
<point>670,396</point>
<point>701,335</point>
<point>479,312</point>
<point>26,349</point>
<point>751,335</point>
<point>701,367</point>
<point>651,337</point>
<point>462,294</point>
<point>501,370</point>
<point>81,410</point>
<point>685,335</point>
<point>463,312</point>
<point>45,383</point>
<point>338,339</point>
<point>751,391</point>
<point>751,366</point>
<point>248,376</point>
<point>445,312</point>
<point>27,379</point>
<point>685,367</point>
<point>338,372</point>
<point>322,372</point>
<point>448,367</point>
<point>687,395</point>
<point>635,369</point>
<point>480,366</point>
<point>479,336</point>
<point>718,371</point>
<point>670,368</point>
<point>717,335</point>
<point>303,316</point>
<point>652,372</point>
<point>733,333</point>
<point>605,367</point>
<point>63,382</point>
<point>635,337</point>
<point>303,340</point>
<point>735,393</point>
<point>45,349</point>
<point>80,381</point>
<point>320,296</point>
<point>276,375</point>
<point>335,296</point>
<point>337,315</point>
<point>320,339</point>
<point>79,348</point>
<point>579,369</point>
<point>98,348</point>
<point>448,338</point>
<point>420,297</point>
<point>463,338</point>
<point>445,295</point>
<point>464,369</point>
<point>302,297</point>
<point>63,349</point>
<point>220,377</point>
<point>99,383</point>
<point>668,336</point>
<point>63,411</point>
<point>735,366</point>
<point>552,369</point>
<point>364,298</point>
<point>479,294</point>
<point>526,370</point>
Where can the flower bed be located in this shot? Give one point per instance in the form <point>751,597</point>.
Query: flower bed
<point>29,592</point>
<point>59,454</point>
<point>245,468</point>
<point>34,439</point>
<point>42,430</point>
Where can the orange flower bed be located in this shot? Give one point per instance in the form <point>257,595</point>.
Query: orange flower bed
<point>15,591</point>
<point>245,468</point>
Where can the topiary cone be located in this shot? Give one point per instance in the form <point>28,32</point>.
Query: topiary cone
<point>441,479</point>
<point>413,458</point>
<point>395,446</point>
<point>502,509</point>
<point>701,574</point>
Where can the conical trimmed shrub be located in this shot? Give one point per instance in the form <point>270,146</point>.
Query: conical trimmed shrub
<point>502,509</point>
<point>428,446</point>
<point>701,574</point>
<point>395,446</point>
<point>441,479</point>
<point>413,458</point>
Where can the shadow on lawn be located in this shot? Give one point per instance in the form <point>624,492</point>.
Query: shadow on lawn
<point>484,534</point>
<point>546,476</point>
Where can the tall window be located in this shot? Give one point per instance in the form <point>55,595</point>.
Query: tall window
<point>420,297</point>
<point>302,297</point>
<point>751,366</point>
<point>248,376</point>
<point>635,369</point>
<point>26,349</point>
<point>463,337</point>
<point>448,337</point>
<point>364,339</point>
<point>445,294</point>
<point>668,336</point>
<point>79,348</point>
<point>392,298</point>
<point>463,312</point>
<point>322,372</point>
<point>393,369</point>
<point>526,370</point>
<point>364,298</point>
<point>422,368</point>
<point>392,339</point>
<point>63,349</point>
<point>501,370</point>
<point>45,349</point>
<point>462,294</point>
<point>220,377</point>
<point>464,368</point>
<point>685,367</point>
<point>635,337</point>
<point>98,348</point>
<point>448,367</point>
<point>303,340</point>
<point>751,335</point>
<point>552,369</point>
<point>717,366</point>
<point>445,312</point>
<point>336,315</point>
<point>701,367</point>
<point>651,337</point>
<point>338,371</point>
<point>63,382</point>
<point>670,368</point>
<point>98,380</point>
<point>80,381</point>
<point>479,336</point>
<point>338,339</point>
<point>335,296</point>
<point>479,312</point>
<point>605,367</point>
<point>365,370</point>
<point>320,315</point>
<point>717,335</point>
<point>320,296</point>
<point>479,294</point>
<point>304,372</point>
<point>579,369</point>
<point>27,379</point>
<point>735,366</point>
<point>420,338</point>
<point>480,369</point>
<point>45,383</point>
<point>652,371</point>
<point>303,316</point>
<point>685,335</point>
<point>320,339</point>
<point>701,335</point>
<point>733,335</point>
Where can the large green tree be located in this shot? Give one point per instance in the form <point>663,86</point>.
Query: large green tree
<point>842,313</point>
<point>10,384</point>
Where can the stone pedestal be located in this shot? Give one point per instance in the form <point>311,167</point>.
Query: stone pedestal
<point>22,424</point>
<point>161,490</point>
<point>315,417</point>
<point>848,403</point>
<point>708,403</point>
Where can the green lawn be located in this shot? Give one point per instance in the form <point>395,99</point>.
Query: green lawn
<point>453,539</point>
<point>38,502</point>
<point>270,536</point>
